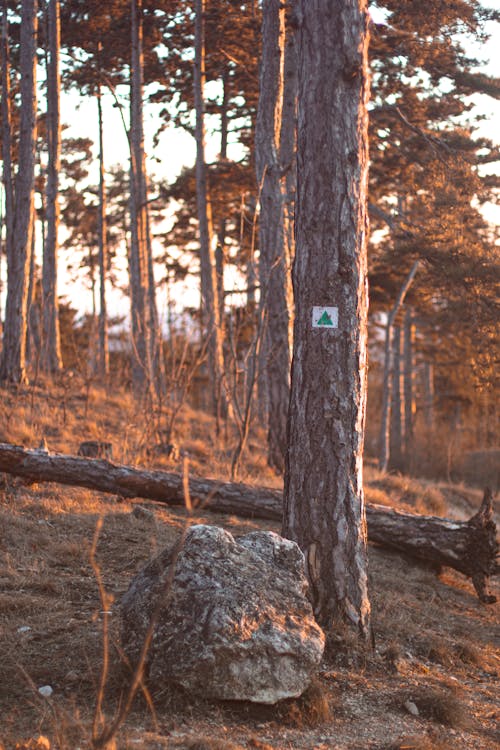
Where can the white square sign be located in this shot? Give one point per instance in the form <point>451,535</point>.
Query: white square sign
<point>325,317</point>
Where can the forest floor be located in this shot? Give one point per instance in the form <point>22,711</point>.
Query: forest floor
<point>431,681</point>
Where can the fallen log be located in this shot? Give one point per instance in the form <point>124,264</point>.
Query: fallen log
<point>467,546</point>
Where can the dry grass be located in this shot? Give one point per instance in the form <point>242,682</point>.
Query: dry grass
<point>312,709</point>
<point>443,706</point>
<point>430,633</point>
<point>405,492</point>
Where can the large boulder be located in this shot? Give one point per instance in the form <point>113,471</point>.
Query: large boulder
<point>233,621</point>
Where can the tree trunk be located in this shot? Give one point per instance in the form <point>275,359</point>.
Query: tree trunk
<point>385,418</point>
<point>274,262</point>
<point>428,376</point>
<point>467,546</point>
<point>5,104</point>
<point>103,356</point>
<point>34,313</point>
<point>396,432</point>
<point>155,335</point>
<point>324,502</point>
<point>51,360</point>
<point>13,362</point>
<point>409,398</point>
<point>209,302</point>
<point>141,355</point>
<point>221,235</point>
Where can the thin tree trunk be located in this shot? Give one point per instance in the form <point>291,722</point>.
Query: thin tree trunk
<point>2,216</point>
<point>221,235</point>
<point>409,397</point>
<point>103,358</point>
<point>385,418</point>
<point>396,433</point>
<point>5,104</point>
<point>13,362</point>
<point>34,316</point>
<point>324,501</point>
<point>275,292</point>
<point>156,352</point>
<point>428,375</point>
<point>51,360</point>
<point>141,355</point>
<point>209,302</point>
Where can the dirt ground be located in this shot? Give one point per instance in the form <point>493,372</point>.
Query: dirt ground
<point>431,680</point>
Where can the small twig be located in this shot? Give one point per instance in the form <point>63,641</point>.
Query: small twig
<point>435,142</point>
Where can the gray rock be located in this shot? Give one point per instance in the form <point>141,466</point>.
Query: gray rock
<point>411,708</point>
<point>234,623</point>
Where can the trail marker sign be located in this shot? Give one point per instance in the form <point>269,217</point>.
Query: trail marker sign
<point>325,317</point>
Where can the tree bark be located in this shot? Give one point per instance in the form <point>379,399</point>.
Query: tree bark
<point>274,262</point>
<point>385,418</point>
<point>13,362</point>
<point>467,546</point>
<point>324,501</point>
<point>428,377</point>
<point>5,104</point>
<point>103,356</point>
<point>220,255</point>
<point>51,360</point>
<point>409,397</point>
<point>141,354</point>
<point>396,434</point>
<point>209,302</point>
<point>34,312</point>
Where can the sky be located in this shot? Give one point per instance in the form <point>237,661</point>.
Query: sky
<point>176,148</point>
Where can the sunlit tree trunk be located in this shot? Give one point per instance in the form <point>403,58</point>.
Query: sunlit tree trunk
<point>103,357</point>
<point>209,303</point>
<point>13,362</point>
<point>385,418</point>
<point>34,317</point>
<point>138,262</point>
<point>275,291</point>
<point>51,360</point>
<point>324,507</point>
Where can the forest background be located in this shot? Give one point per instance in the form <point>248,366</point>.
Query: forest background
<point>434,181</point>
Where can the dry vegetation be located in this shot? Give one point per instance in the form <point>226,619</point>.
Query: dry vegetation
<point>431,681</point>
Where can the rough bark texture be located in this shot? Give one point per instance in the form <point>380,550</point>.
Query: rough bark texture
<point>141,354</point>
<point>324,503</point>
<point>209,302</point>
<point>274,262</point>
<point>51,360</point>
<point>468,546</point>
<point>13,363</point>
<point>231,617</point>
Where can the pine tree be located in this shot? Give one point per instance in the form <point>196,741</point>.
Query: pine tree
<point>324,504</point>
<point>51,348</point>
<point>13,360</point>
